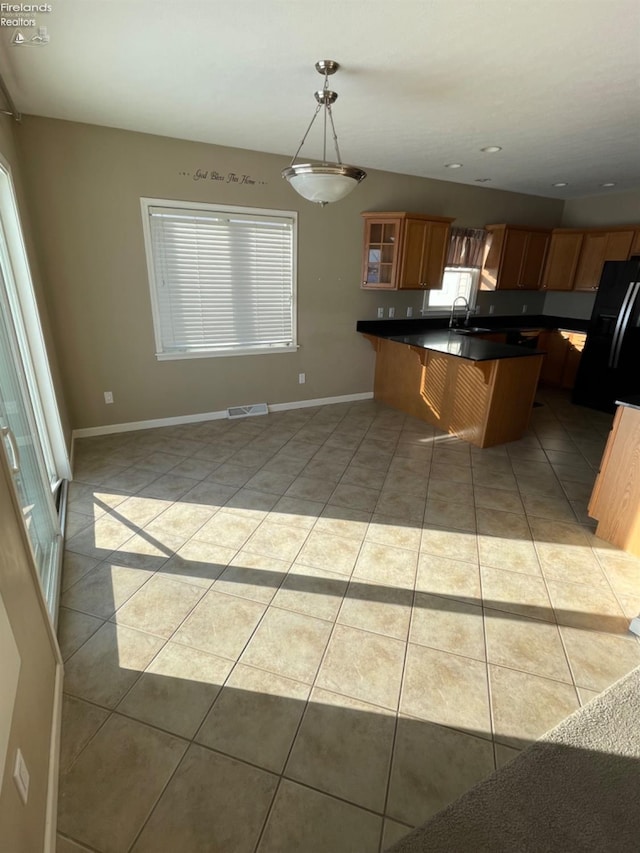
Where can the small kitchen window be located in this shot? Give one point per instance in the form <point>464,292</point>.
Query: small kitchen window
<point>222,279</point>
<point>456,281</point>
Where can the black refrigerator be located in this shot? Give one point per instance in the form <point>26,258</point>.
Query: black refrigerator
<point>610,364</point>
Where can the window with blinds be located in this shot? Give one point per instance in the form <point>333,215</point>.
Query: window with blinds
<point>222,279</point>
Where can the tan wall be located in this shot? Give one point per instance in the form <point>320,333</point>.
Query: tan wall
<point>614,209</point>
<point>84,185</point>
<point>22,827</point>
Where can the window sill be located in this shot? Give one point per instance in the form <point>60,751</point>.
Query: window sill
<point>181,356</point>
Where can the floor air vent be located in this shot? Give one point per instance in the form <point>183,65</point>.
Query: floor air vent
<point>248,411</point>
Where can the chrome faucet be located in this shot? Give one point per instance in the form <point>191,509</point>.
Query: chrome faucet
<point>453,321</point>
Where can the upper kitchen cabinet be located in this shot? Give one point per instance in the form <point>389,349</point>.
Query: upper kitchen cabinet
<point>404,251</point>
<point>598,247</point>
<point>562,260</point>
<point>514,257</point>
<point>576,256</point>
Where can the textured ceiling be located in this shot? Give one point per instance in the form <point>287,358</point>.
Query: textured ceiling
<point>555,83</point>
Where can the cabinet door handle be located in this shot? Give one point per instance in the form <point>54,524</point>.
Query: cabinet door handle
<point>13,447</point>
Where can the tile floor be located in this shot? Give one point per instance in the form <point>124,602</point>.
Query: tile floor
<point>310,631</point>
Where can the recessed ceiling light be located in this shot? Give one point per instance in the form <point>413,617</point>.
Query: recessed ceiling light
<point>453,165</point>
<point>560,184</point>
<point>491,149</point>
<point>482,180</point>
<point>608,184</point>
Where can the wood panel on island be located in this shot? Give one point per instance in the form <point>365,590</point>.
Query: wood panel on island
<point>514,257</point>
<point>404,251</point>
<point>577,255</point>
<point>484,402</point>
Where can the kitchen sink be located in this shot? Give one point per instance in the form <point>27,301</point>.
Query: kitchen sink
<point>470,330</point>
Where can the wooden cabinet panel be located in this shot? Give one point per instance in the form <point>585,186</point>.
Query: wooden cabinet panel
<point>592,256</point>
<point>619,245</point>
<point>554,346</point>
<point>404,251</point>
<point>435,254</point>
<point>514,258</point>
<point>415,238</point>
<point>598,247</point>
<point>534,258</point>
<point>563,352</point>
<point>562,260</point>
<point>574,346</point>
<point>515,246</point>
<point>380,260</point>
<point>576,257</point>
<point>615,500</point>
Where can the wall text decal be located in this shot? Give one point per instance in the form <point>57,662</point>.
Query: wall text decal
<point>228,178</point>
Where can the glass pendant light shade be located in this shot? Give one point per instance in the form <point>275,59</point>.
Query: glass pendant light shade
<point>323,182</point>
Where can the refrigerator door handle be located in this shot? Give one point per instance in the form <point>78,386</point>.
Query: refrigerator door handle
<point>622,322</point>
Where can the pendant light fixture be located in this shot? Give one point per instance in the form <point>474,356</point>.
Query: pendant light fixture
<point>326,181</point>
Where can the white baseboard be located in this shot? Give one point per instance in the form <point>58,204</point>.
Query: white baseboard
<point>321,401</point>
<point>110,429</point>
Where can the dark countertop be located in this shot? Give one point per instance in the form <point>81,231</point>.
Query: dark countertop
<point>463,346</point>
<point>433,334</point>
<point>511,322</point>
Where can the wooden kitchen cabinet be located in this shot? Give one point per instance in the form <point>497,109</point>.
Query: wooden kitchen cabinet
<point>615,500</point>
<point>598,247</point>
<point>514,257</point>
<point>404,251</point>
<point>562,260</point>
<point>562,359</point>
<point>576,256</point>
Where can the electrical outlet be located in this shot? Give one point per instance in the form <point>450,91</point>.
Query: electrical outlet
<point>380,313</point>
<point>409,311</point>
<point>524,309</point>
<point>492,308</point>
<point>301,378</point>
<point>21,777</point>
<point>392,313</point>
<point>108,397</point>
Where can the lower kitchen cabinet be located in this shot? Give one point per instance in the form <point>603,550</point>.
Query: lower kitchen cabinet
<point>562,359</point>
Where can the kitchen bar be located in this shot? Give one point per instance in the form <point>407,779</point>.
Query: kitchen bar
<point>476,389</point>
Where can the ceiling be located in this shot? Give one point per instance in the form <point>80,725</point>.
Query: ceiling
<point>555,83</point>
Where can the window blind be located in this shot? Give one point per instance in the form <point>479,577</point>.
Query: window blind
<point>224,281</point>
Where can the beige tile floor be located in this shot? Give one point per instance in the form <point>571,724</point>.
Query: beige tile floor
<point>310,631</point>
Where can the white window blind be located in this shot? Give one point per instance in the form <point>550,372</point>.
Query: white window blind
<point>222,279</point>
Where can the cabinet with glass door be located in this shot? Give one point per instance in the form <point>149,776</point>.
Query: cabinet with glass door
<point>404,251</point>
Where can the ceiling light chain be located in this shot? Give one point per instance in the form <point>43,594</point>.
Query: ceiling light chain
<point>323,182</point>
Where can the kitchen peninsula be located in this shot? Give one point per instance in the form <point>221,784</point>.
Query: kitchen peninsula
<point>478,389</point>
